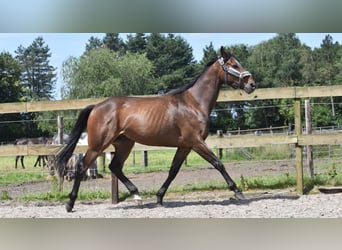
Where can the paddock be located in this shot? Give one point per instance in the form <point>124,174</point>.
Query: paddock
<point>297,139</point>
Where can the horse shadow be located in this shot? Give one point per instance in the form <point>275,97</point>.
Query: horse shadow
<point>229,201</point>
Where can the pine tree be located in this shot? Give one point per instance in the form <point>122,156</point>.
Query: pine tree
<point>208,54</point>
<point>38,76</point>
<point>137,43</point>
<point>94,43</point>
<point>114,43</point>
<point>172,59</point>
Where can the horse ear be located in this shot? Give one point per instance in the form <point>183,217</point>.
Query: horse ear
<point>223,52</point>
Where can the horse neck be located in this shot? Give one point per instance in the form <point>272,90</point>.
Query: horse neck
<point>205,91</point>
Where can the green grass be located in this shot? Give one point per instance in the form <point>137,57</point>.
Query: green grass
<point>327,174</point>
<point>10,175</point>
<point>244,183</point>
<point>21,177</point>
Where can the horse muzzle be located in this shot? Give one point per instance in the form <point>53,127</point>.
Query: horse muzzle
<point>249,87</point>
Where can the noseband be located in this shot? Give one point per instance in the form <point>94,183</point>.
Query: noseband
<point>232,71</point>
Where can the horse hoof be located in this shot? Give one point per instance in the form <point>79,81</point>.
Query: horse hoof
<point>239,196</point>
<point>138,200</point>
<point>68,208</point>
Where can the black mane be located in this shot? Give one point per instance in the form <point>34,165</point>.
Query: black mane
<point>192,83</point>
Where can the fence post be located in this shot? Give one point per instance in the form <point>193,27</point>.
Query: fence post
<point>145,158</point>
<point>299,149</point>
<point>308,126</point>
<point>115,189</point>
<point>60,127</point>
<point>219,150</point>
<point>133,156</point>
<point>101,162</point>
<point>115,185</point>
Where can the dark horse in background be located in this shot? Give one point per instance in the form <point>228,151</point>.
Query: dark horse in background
<point>32,141</point>
<point>179,118</point>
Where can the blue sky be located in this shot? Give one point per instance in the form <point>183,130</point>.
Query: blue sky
<point>63,45</point>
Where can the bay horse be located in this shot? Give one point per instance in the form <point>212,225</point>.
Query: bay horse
<point>178,118</point>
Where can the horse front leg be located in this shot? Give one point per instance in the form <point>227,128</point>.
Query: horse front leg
<point>22,162</point>
<point>16,161</point>
<point>202,149</point>
<point>177,162</point>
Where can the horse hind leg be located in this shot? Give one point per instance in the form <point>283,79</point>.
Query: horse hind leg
<point>21,161</point>
<point>45,159</point>
<point>209,156</point>
<point>37,161</point>
<point>80,170</point>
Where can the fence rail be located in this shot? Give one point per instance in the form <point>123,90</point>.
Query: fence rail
<point>224,96</point>
<point>295,93</point>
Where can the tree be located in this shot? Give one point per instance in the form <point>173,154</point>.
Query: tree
<point>136,43</point>
<point>326,58</point>
<point>11,91</point>
<point>308,69</point>
<point>278,62</point>
<point>94,43</point>
<point>103,72</point>
<point>38,79</point>
<point>208,54</point>
<point>38,76</point>
<point>114,43</point>
<point>172,59</point>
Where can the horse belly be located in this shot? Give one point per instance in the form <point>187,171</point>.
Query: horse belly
<point>167,139</point>
<point>152,130</point>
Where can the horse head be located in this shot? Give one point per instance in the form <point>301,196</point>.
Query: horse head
<point>234,74</point>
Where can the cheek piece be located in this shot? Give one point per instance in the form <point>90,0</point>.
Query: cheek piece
<point>234,72</point>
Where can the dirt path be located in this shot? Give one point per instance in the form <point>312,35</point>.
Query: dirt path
<point>149,181</point>
<point>208,204</point>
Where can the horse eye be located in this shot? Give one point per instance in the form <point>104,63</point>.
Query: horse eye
<point>235,66</point>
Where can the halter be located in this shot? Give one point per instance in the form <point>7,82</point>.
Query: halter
<point>232,71</point>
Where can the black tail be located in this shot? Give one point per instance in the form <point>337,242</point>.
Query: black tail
<point>81,124</point>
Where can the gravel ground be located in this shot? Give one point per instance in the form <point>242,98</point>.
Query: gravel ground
<point>215,204</point>
<point>209,204</point>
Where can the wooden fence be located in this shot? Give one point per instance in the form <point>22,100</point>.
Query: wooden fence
<point>225,141</point>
